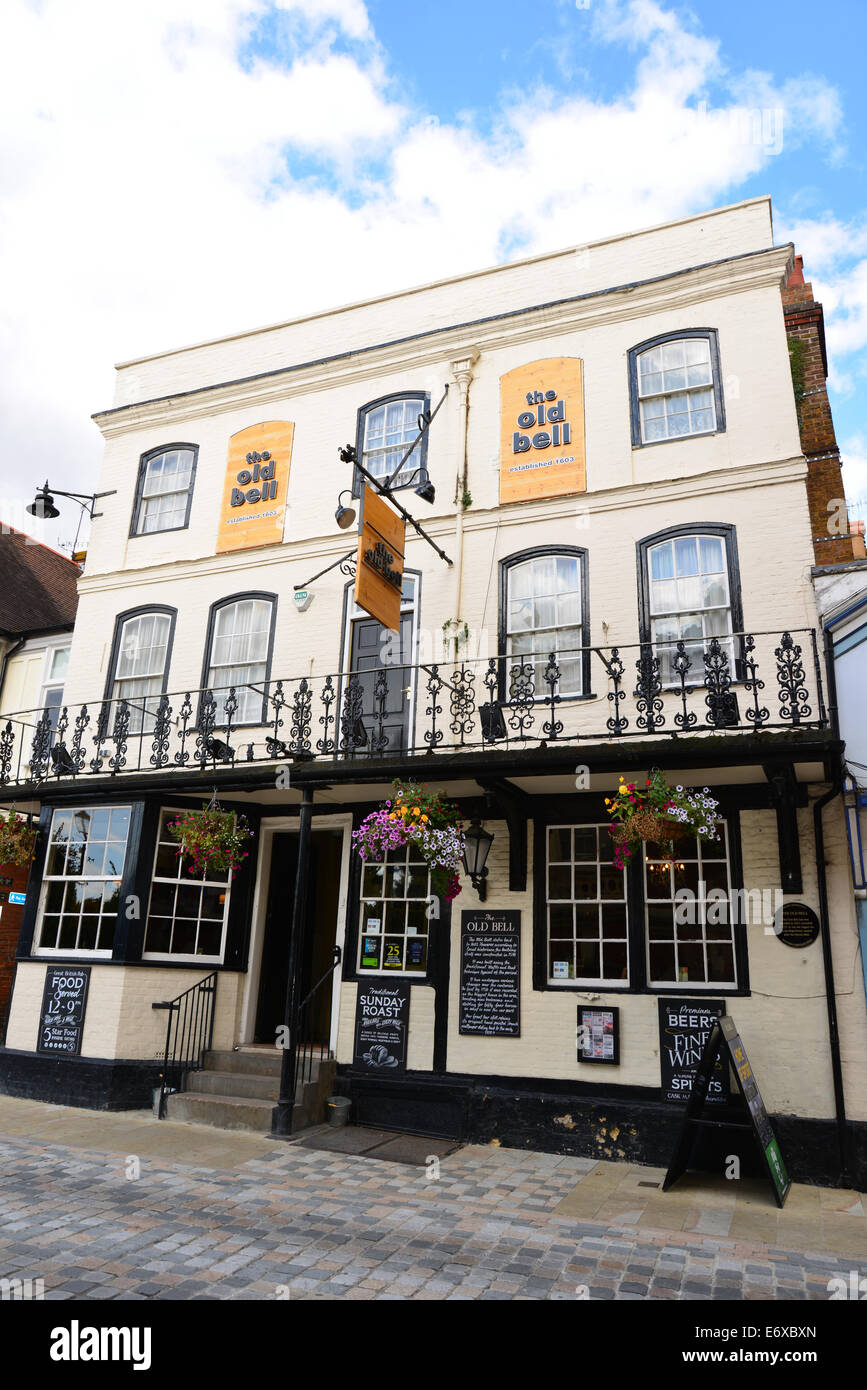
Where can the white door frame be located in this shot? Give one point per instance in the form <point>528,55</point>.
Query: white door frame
<point>270,826</point>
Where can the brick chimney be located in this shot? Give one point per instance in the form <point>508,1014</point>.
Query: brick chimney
<point>805,330</point>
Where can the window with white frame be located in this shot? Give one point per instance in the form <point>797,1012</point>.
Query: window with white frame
<point>689,916</point>
<point>54,675</point>
<point>393,933</point>
<point>543,603</point>
<point>82,878</point>
<point>387,430</point>
<point>240,655</point>
<point>674,381</point>
<point>187,913</point>
<point>586,907</point>
<point>165,491</point>
<point>689,601</point>
<point>140,665</point>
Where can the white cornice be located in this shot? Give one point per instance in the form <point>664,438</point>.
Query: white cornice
<point>317,552</point>
<point>678,291</point>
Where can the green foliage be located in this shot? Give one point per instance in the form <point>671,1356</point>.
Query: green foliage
<point>797,363</point>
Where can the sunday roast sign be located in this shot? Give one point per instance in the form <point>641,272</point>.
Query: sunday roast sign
<point>381,1026</point>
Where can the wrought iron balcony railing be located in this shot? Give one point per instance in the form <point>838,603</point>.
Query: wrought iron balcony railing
<point>741,682</point>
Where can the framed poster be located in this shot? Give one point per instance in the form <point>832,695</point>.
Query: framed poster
<point>381,1026</point>
<point>490,991</point>
<point>599,1035</point>
<point>64,1002</point>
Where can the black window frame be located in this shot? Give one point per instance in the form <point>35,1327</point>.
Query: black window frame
<point>163,609</point>
<point>419,453</point>
<point>712,335</point>
<point>144,460</point>
<point>727,532</point>
<point>589,809</point>
<point>535,552</point>
<point>209,638</point>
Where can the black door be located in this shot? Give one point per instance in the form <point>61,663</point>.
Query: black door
<point>382,662</point>
<point>319,934</point>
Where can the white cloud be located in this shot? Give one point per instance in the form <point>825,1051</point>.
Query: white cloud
<point>165,177</point>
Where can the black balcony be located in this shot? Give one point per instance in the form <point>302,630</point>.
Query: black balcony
<point>739,684</point>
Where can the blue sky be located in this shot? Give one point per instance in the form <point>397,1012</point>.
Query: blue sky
<point>179,169</point>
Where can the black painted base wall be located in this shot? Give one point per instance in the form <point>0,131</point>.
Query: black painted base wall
<point>626,1124</point>
<point>93,1083</point>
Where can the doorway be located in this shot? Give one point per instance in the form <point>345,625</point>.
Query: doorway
<point>320,931</point>
<point>374,650</point>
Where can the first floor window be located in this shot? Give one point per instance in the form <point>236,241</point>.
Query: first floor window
<point>140,666</point>
<point>688,907</point>
<point>51,694</point>
<point>240,655</point>
<point>187,913</point>
<point>587,930</point>
<point>543,614</point>
<point>81,882</point>
<point>689,601</point>
<point>675,385</point>
<point>393,933</point>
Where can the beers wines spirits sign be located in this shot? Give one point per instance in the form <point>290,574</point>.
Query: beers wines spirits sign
<point>254,492</point>
<point>542,430</point>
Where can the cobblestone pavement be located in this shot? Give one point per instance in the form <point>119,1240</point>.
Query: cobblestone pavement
<point>302,1223</point>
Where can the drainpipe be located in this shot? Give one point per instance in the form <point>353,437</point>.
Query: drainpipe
<point>825,920</point>
<point>462,371</point>
<point>281,1122</point>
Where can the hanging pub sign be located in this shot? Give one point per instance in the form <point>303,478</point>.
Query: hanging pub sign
<point>490,1001</point>
<point>64,1000</point>
<point>796,925</point>
<point>684,1027</point>
<point>379,564</point>
<point>253,509</point>
<point>542,430</point>
<point>724,1045</point>
<point>381,1026</point>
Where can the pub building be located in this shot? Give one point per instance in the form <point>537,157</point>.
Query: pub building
<point>577,512</point>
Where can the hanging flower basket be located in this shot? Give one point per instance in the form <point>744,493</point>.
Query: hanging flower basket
<point>418,816</point>
<point>660,814</point>
<point>212,839</point>
<point>17,839</point>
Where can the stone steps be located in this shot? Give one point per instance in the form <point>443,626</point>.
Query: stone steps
<point>239,1089</point>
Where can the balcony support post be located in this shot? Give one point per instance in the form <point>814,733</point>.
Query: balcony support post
<point>784,794</point>
<point>515,807</point>
<point>281,1121</point>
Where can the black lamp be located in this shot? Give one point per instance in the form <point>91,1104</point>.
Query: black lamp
<point>344,516</point>
<point>477,843</point>
<point>43,506</point>
<point>426,491</point>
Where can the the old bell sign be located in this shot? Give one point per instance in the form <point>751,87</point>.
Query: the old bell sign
<point>379,564</point>
<point>796,924</point>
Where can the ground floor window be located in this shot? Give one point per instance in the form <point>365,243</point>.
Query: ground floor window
<point>81,883</point>
<point>688,907</point>
<point>187,913</point>
<point>586,905</point>
<point>395,923</point>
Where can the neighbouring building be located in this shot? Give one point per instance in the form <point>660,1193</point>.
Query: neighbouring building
<point>625,509</point>
<point>38,598</point>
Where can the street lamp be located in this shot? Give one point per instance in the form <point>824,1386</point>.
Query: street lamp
<point>44,509</point>
<point>477,844</point>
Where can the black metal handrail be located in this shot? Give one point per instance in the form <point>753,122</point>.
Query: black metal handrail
<point>744,682</point>
<point>307,1049</point>
<point>189,1035</point>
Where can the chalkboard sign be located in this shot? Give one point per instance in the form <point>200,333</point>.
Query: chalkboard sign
<point>64,1001</point>
<point>684,1028</point>
<point>381,1025</point>
<point>490,997</point>
<point>724,1042</point>
<point>796,925</point>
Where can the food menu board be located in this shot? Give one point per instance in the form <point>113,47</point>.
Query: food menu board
<point>381,1026</point>
<point>64,1000</point>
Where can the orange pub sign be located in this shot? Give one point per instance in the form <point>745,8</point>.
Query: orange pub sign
<point>542,430</point>
<point>379,565</point>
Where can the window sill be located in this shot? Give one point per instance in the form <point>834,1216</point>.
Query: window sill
<point>164,531</point>
<point>676,439</point>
